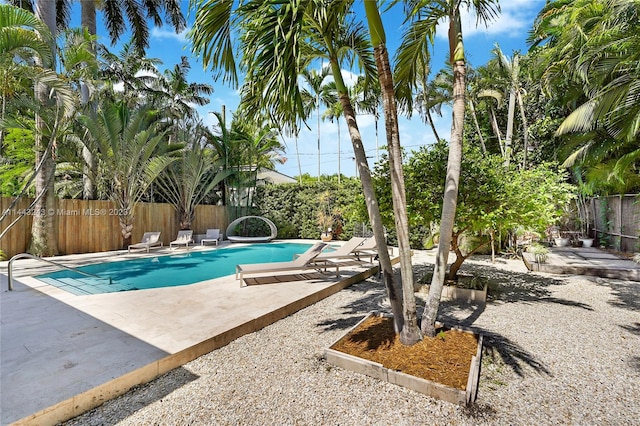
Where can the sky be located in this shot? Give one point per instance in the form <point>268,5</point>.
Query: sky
<point>509,30</point>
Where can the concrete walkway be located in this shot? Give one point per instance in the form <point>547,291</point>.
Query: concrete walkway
<point>585,261</point>
<point>62,354</point>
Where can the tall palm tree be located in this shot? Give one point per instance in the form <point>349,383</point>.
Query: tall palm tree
<point>509,71</point>
<point>21,43</point>
<point>26,57</point>
<point>117,14</point>
<point>333,112</point>
<point>277,41</point>
<point>261,149</point>
<point>174,95</point>
<point>409,333</point>
<point>131,68</point>
<point>368,99</point>
<point>316,80</point>
<point>425,18</point>
<point>44,238</point>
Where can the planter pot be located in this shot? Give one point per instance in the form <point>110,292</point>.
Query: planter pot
<point>361,334</point>
<point>561,242</point>
<point>326,236</point>
<point>586,242</point>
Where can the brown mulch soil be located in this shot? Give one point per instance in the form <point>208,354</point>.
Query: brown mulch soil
<point>444,359</point>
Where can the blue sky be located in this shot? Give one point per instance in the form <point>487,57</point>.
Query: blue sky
<point>509,30</point>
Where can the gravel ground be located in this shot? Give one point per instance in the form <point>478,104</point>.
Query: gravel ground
<point>558,350</point>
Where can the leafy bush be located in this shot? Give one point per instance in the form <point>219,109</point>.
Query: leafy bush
<point>294,207</point>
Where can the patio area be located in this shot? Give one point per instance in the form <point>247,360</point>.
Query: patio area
<point>64,354</point>
<point>585,261</point>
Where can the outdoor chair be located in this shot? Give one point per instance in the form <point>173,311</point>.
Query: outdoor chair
<point>347,251</point>
<point>305,261</point>
<point>149,239</point>
<point>183,238</point>
<point>213,236</point>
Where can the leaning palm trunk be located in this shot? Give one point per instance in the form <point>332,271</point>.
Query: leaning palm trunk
<point>373,209</point>
<point>44,241</point>
<point>453,177</point>
<point>410,333</point>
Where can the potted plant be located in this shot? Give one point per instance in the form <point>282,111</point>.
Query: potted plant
<point>329,219</point>
<point>584,191</point>
<point>540,252</point>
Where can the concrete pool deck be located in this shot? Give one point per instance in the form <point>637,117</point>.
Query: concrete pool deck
<point>62,354</point>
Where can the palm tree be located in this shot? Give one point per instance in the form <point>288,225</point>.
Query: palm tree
<point>21,43</point>
<point>409,333</point>
<point>509,71</point>
<point>189,180</point>
<point>261,149</point>
<point>425,18</point>
<point>131,68</point>
<point>132,154</point>
<point>315,80</point>
<point>603,59</point>
<point>333,112</point>
<point>44,238</point>
<point>277,41</point>
<point>174,95</point>
<point>367,97</point>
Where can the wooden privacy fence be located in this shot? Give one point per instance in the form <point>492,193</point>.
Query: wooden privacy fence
<point>92,226</point>
<point>616,221</point>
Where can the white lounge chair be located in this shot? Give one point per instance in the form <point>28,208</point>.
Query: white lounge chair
<point>213,236</point>
<point>345,251</point>
<point>369,249</point>
<point>305,261</point>
<point>183,238</point>
<point>149,239</point>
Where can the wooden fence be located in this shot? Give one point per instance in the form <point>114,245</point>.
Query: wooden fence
<point>616,221</point>
<point>92,226</point>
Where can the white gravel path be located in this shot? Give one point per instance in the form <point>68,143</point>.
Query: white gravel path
<point>558,350</point>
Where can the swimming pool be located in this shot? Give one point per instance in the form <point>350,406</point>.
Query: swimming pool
<point>169,270</point>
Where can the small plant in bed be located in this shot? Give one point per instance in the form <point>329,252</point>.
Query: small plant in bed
<point>540,252</point>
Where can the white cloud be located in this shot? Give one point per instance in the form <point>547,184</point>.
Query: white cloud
<point>166,34</point>
<point>516,17</point>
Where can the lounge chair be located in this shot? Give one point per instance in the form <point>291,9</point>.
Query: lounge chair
<point>149,239</point>
<point>347,250</point>
<point>213,236</point>
<point>369,249</point>
<point>183,238</point>
<point>305,261</point>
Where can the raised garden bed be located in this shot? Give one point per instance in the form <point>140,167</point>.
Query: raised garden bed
<point>466,289</point>
<point>445,367</point>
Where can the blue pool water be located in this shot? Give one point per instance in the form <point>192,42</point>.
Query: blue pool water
<point>169,270</point>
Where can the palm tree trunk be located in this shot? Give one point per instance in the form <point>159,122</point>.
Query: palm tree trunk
<point>475,121</point>
<point>433,126</point>
<point>510,119</point>
<point>88,21</point>
<point>44,239</point>
<point>410,333</point>
<point>525,130</point>
<point>454,162</point>
<point>425,87</point>
<point>496,129</point>
<point>393,290</point>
